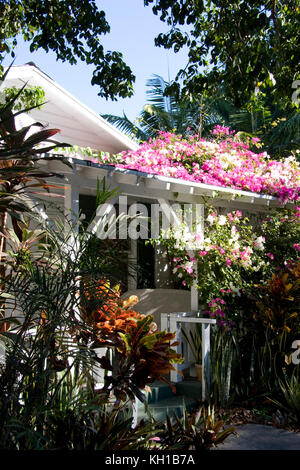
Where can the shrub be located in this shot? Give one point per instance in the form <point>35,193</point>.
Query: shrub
<point>197,431</point>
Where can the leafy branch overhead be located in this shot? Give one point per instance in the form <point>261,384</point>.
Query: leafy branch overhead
<point>72,29</point>
<point>184,116</point>
<point>241,44</point>
<point>30,96</point>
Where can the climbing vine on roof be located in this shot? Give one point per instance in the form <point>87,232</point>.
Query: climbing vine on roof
<point>223,161</point>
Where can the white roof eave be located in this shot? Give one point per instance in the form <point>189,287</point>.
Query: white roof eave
<point>182,186</point>
<point>68,102</point>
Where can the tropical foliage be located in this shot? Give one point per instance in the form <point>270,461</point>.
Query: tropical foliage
<point>163,112</point>
<point>223,161</point>
<point>246,272</point>
<point>141,353</point>
<point>61,312</point>
<point>30,96</point>
<point>199,431</point>
<point>252,292</point>
<point>20,150</point>
<point>241,44</point>
<point>260,87</point>
<point>72,30</point>
<point>277,127</point>
<point>60,302</point>
<point>290,400</point>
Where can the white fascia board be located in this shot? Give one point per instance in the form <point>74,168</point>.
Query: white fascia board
<point>184,187</point>
<point>173,185</point>
<point>28,72</point>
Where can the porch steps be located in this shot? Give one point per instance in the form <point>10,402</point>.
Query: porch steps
<point>190,388</point>
<point>162,399</point>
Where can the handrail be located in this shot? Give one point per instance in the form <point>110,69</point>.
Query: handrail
<point>172,322</point>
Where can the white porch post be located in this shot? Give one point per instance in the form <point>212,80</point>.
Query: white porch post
<point>2,353</point>
<point>199,216</point>
<point>172,322</point>
<point>194,290</point>
<point>71,203</point>
<point>135,412</point>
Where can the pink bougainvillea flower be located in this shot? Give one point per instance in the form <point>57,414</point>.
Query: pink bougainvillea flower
<point>203,253</point>
<point>227,163</point>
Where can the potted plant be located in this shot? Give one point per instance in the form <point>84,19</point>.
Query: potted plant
<point>194,340</point>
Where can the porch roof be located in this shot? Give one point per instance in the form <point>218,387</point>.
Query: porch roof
<point>137,183</point>
<point>79,124</point>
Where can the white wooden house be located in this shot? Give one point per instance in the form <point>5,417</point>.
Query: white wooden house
<point>83,127</point>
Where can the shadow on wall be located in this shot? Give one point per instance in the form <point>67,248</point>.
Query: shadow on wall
<point>157,301</point>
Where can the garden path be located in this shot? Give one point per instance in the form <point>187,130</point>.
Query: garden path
<point>261,437</point>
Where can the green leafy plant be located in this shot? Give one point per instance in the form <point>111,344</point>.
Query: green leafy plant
<point>45,343</point>
<point>20,150</point>
<point>49,339</point>
<point>224,365</point>
<point>185,115</point>
<point>197,431</point>
<point>30,96</point>
<point>73,31</point>
<point>214,35</point>
<point>86,425</point>
<point>194,339</point>
<point>290,394</point>
<point>141,353</point>
<point>278,301</point>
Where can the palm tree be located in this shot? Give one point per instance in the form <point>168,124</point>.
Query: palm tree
<point>277,126</point>
<point>285,136</point>
<point>167,113</point>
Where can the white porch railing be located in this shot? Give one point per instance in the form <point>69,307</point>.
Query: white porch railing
<point>172,323</point>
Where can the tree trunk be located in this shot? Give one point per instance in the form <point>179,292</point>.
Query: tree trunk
<point>201,118</point>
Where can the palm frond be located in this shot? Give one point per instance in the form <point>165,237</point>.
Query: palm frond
<point>124,124</point>
<point>156,94</point>
<point>286,135</point>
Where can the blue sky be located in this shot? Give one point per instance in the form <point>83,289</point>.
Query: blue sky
<point>133,28</point>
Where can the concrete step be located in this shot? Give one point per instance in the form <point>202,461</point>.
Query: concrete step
<point>159,391</point>
<point>171,405</point>
<point>191,388</point>
<point>162,399</point>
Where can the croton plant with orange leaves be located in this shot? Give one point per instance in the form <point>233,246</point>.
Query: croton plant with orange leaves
<point>141,353</point>
<point>279,306</point>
